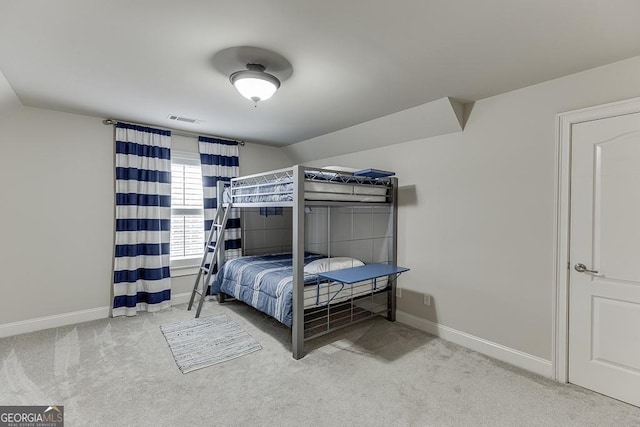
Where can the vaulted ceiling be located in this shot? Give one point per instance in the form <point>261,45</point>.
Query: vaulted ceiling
<point>352,60</point>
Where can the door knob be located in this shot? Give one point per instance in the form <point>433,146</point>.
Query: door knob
<point>581,268</point>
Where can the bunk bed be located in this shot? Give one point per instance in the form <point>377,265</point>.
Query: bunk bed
<point>313,293</point>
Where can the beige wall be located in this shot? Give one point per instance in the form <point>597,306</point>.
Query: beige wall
<point>477,209</point>
<point>57,172</point>
<point>57,216</point>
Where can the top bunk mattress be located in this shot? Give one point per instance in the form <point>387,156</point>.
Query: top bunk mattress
<point>318,185</point>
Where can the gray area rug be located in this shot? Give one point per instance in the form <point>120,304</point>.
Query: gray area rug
<point>198,343</point>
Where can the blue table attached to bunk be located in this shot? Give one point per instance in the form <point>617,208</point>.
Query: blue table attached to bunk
<point>369,272</point>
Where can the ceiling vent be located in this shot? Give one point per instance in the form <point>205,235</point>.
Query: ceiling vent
<point>184,119</point>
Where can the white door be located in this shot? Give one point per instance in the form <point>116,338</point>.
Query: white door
<point>604,305</point>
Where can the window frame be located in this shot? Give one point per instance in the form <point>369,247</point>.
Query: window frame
<point>186,265</point>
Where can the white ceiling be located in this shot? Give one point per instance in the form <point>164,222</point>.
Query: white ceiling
<point>353,60</point>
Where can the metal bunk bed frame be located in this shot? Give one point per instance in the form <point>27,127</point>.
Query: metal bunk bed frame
<point>297,175</point>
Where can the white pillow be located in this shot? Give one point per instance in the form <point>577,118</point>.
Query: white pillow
<point>323,265</point>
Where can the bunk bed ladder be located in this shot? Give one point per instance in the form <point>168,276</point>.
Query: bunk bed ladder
<point>210,257</point>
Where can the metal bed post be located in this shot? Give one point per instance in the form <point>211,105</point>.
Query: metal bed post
<point>391,296</point>
<point>297,330</point>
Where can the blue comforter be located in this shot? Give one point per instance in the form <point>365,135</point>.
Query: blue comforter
<point>264,282</point>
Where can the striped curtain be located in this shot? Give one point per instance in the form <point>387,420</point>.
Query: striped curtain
<point>141,278</point>
<point>219,161</point>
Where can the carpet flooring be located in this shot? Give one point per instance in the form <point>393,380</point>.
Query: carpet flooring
<point>120,372</point>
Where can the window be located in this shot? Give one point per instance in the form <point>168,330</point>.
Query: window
<point>187,214</point>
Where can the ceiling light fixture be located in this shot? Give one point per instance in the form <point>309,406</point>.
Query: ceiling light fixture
<point>254,84</point>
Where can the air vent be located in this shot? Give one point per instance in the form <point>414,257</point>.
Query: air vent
<point>184,119</point>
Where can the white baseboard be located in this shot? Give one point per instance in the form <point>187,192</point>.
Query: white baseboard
<point>184,298</point>
<point>180,298</point>
<point>55,321</point>
<point>488,348</point>
<point>64,319</point>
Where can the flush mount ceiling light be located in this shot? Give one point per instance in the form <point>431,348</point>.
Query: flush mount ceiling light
<point>254,83</point>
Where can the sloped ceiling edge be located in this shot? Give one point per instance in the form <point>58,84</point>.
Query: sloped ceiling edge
<point>434,118</point>
<point>8,98</point>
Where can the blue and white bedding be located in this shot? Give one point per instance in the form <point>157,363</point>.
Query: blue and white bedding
<point>264,282</point>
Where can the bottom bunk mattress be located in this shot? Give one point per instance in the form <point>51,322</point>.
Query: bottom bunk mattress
<point>265,282</point>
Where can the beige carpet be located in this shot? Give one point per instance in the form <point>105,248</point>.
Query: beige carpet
<point>120,372</point>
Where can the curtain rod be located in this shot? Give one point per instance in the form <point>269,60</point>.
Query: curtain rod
<point>173,131</point>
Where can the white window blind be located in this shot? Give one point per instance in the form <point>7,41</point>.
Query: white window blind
<point>187,214</point>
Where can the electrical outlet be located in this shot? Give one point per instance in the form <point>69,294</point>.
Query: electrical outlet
<point>398,292</point>
<point>427,299</point>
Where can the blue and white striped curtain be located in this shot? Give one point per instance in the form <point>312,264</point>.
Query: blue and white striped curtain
<point>219,161</point>
<point>141,278</point>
